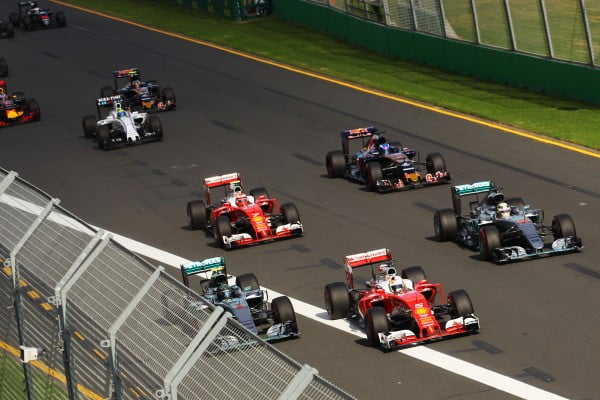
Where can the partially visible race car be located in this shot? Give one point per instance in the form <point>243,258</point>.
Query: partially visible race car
<point>116,125</point>
<point>244,299</point>
<point>148,96</point>
<point>16,108</point>
<point>240,219</point>
<point>7,29</point>
<point>502,229</point>
<point>30,16</point>
<point>383,166</point>
<point>397,310</point>
<point>3,67</point>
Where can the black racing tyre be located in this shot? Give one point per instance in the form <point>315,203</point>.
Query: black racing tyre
<point>489,240</point>
<point>445,225</point>
<point>197,214</point>
<point>376,322</point>
<point>169,95</point>
<point>335,161</point>
<point>337,300</point>
<point>290,213</point>
<point>26,22</point>
<point>155,126</point>
<point>107,91</point>
<point>14,18</point>
<point>460,303</point>
<point>415,274</point>
<point>222,228</point>
<point>103,136</point>
<point>283,310</point>
<point>435,162</point>
<point>374,174</point>
<point>259,191</point>
<point>89,126</point>
<point>247,282</point>
<point>516,202</point>
<point>61,19</point>
<point>34,107</point>
<point>3,68</point>
<point>563,226</point>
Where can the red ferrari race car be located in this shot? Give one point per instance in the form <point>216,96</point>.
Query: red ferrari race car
<point>16,108</point>
<point>240,219</point>
<point>397,310</point>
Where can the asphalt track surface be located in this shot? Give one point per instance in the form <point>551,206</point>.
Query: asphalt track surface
<point>539,318</point>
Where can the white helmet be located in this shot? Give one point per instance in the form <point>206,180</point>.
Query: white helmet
<point>503,210</point>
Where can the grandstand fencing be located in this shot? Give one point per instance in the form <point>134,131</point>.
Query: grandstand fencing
<point>113,326</point>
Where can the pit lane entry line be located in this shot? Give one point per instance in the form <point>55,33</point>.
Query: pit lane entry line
<point>453,114</point>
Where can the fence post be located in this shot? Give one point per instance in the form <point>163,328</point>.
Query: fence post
<point>588,35</point>
<point>475,22</point>
<point>547,29</point>
<point>8,179</point>
<point>511,31</point>
<point>414,15</point>
<point>300,382</point>
<point>442,17</point>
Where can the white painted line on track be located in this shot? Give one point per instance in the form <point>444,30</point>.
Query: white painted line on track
<point>452,364</point>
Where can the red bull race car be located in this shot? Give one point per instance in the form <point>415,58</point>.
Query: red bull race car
<point>16,108</point>
<point>397,310</point>
<point>240,219</point>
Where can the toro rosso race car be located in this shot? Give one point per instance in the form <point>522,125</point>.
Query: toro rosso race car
<point>7,29</point>
<point>3,68</point>
<point>16,108</point>
<point>240,219</point>
<point>148,96</point>
<point>116,125</point>
<point>397,310</point>
<point>30,16</point>
<point>245,299</point>
<point>383,166</point>
<point>503,229</point>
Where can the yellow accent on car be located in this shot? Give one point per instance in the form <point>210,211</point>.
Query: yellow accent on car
<point>12,114</point>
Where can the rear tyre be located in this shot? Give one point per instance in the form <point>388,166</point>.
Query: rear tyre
<point>258,192</point>
<point>489,240</point>
<point>435,162</point>
<point>374,174</point>
<point>107,91</point>
<point>335,161</point>
<point>61,19</point>
<point>89,126</point>
<point>103,137</point>
<point>222,228</point>
<point>337,300</point>
<point>247,282</point>
<point>460,302</point>
<point>170,95</point>
<point>445,225</point>
<point>290,213</point>
<point>283,310</point>
<point>563,226</point>
<point>376,322</point>
<point>197,214</point>
<point>415,274</point>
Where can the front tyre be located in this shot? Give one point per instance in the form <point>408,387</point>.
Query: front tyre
<point>290,213</point>
<point>376,322</point>
<point>435,162</point>
<point>563,226</point>
<point>222,228</point>
<point>89,126</point>
<point>155,127</point>
<point>460,303</point>
<point>374,174</point>
<point>103,137</point>
<point>489,240</point>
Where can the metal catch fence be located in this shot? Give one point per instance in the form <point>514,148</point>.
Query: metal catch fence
<point>109,325</point>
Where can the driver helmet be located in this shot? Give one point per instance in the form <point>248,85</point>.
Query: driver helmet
<point>396,284</point>
<point>223,292</point>
<point>121,113</point>
<point>384,148</point>
<point>136,84</point>
<point>241,200</point>
<point>503,211</point>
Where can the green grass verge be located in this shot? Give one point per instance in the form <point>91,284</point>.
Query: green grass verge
<point>275,39</point>
<point>12,384</point>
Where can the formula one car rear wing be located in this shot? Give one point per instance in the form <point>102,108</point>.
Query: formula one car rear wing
<point>127,73</point>
<point>214,266</point>
<point>362,259</point>
<point>472,189</point>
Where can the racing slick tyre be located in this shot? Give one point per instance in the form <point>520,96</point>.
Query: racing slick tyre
<point>34,108</point>
<point>14,18</point>
<point>103,137</point>
<point>335,161</point>
<point>415,274</point>
<point>374,174</point>
<point>290,213</point>
<point>170,95</point>
<point>435,162</point>
<point>61,20</point>
<point>445,225</point>
<point>222,228</point>
<point>376,322</point>
<point>283,310</point>
<point>337,300</point>
<point>156,126</point>
<point>516,202</point>
<point>197,214</point>
<point>563,226</point>
<point>89,126</point>
<point>3,68</point>
<point>247,282</point>
<point>26,22</point>
<point>107,91</point>
<point>258,192</point>
<point>489,240</point>
<point>460,303</point>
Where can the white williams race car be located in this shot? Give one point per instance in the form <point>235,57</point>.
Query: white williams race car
<point>120,126</point>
